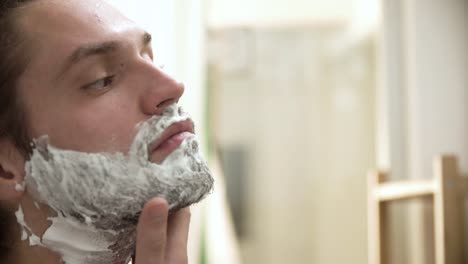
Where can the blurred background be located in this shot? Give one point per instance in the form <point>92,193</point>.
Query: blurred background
<point>296,100</point>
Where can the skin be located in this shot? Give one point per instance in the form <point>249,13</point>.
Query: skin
<point>92,105</point>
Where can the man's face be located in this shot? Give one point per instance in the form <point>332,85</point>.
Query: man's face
<point>92,87</point>
<point>91,76</point>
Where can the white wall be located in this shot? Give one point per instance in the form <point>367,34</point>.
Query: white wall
<point>437,51</point>
<point>227,13</point>
<point>424,97</point>
<point>436,44</point>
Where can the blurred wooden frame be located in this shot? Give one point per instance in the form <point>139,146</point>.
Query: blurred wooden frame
<point>447,190</point>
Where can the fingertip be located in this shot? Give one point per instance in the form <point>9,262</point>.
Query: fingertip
<point>158,202</point>
<point>156,209</point>
<point>186,212</point>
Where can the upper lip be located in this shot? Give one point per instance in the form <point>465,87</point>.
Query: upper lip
<point>174,129</point>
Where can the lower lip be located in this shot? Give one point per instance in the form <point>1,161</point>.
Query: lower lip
<point>172,143</point>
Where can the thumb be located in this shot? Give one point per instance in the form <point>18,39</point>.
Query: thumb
<point>152,232</point>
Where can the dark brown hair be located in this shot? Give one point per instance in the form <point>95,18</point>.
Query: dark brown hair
<point>13,61</point>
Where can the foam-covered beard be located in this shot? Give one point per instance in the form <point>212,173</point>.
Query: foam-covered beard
<point>100,195</point>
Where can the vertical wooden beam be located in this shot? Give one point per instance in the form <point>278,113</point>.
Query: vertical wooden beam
<point>376,216</point>
<point>448,209</point>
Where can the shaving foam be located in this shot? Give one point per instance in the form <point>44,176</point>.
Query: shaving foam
<point>98,197</point>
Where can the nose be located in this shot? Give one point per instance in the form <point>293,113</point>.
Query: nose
<point>161,91</point>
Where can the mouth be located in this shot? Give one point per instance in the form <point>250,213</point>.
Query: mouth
<point>170,140</point>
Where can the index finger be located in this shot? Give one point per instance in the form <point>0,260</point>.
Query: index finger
<point>151,233</point>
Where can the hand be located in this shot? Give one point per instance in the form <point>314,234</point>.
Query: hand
<point>162,239</point>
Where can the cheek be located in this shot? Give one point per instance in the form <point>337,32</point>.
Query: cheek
<point>103,132</point>
<point>97,127</point>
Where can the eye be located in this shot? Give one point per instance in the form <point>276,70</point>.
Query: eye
<point>101,83</point>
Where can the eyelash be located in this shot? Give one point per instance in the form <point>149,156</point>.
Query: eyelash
<point>101,83</point>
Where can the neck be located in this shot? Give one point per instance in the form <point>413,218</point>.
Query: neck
<point>58,239</point>
<point>77,242</point>
<point>18,251</point>
<point>23,253</point>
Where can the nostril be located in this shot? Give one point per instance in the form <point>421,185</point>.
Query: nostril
<point>165,103</point>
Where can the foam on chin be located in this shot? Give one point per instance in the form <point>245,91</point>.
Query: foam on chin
<point>99,196</point>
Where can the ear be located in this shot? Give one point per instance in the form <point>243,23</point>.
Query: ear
<point>11,171</point>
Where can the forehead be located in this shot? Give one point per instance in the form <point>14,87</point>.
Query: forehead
<point>61,25</point>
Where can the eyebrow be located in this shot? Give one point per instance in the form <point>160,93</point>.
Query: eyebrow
<point>89,50</point>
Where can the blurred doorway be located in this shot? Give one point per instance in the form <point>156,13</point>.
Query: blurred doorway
<point>292,113</point>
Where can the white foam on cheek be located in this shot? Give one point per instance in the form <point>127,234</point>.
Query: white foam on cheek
<point>98,196</point>
<point>89,244</point>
